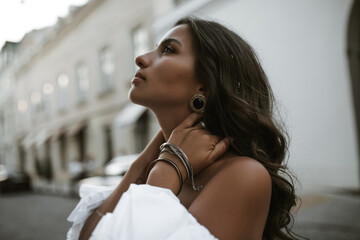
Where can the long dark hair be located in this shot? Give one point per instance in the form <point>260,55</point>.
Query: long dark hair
<point>240,104</point>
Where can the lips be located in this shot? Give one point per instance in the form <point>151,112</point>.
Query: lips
<point>139,75</point>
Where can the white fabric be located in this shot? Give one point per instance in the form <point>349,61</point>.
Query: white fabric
<point>143,212</point>
<point>91,198</point>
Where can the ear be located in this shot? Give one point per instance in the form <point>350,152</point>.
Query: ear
<point>203,90</point>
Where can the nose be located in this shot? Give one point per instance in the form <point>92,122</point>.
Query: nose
<point>142,61</point>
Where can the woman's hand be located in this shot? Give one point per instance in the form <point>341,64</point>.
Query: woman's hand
<point>201,147</point>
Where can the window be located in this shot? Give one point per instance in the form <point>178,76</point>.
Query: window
<point>36,100</point>
<point>8,126</point>
<point>47,90</point>
<point>82,81</point>
<point>36,104</point>
<point>107,69</point>
<point>63,82</point>
<point>2,124</point>
<point>140,41</point>
<point>22,106</point>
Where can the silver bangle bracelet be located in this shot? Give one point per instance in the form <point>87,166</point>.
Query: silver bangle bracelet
<point>182,161</point>
<point>180,154</point>
<point>99,213</point>
<point>171,163</point>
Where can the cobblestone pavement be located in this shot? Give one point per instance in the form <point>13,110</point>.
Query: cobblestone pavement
<point>33,216</point>
<point>29,216</point>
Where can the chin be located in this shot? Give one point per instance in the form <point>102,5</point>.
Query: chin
<point>134,98</point>
<point>131,96</point>
<point>132,93</point>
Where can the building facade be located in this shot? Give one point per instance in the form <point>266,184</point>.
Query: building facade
<point>8,149</point>
<point>69,88</point>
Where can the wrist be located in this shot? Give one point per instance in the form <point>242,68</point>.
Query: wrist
<point>165,173</point>
<point>177,161</point>
<point>175,150</point>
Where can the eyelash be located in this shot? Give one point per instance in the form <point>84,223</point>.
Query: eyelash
<point>168,49</point>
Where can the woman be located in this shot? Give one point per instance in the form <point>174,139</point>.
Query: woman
<point>213,102</point>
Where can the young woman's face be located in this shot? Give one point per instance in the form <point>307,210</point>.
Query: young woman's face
<point>166,77</point>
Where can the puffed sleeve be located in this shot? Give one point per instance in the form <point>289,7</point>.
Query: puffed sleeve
<point>91,198</point>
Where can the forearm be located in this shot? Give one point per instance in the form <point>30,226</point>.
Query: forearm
<point>136,174</point>
<point>165,175</point>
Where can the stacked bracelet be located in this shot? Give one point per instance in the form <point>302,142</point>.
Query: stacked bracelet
<point>173,164</point>
<point>175,150</point>
<point>182,160</point>
<point>99,213</point>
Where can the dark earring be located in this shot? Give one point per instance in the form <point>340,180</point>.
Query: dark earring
<point>197,103</point>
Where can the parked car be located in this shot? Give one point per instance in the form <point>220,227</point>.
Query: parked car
<point>119,165</point>
<point>12,180</point>
<point>114,171</point>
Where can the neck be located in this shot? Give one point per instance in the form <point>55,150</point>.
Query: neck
<point>170,118</point>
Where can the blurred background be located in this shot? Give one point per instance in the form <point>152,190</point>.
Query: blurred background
<point>65,118</point>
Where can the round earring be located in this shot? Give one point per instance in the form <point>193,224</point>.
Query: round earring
<point>197,103</point>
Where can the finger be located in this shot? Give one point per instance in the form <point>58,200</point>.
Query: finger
<point>199,126</point>
<point>220,148</point>
<point>190,120</point>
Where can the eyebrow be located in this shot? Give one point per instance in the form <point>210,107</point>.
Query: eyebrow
<point>169,40</point>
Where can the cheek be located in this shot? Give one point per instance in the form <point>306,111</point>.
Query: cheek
<point>177,74</point>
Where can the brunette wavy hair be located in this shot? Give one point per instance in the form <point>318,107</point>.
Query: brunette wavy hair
<point>240,104</point>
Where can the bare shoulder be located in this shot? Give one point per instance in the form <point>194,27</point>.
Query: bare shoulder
<point>244,172</point>
<point>248,179</point>
<point>234,204</point>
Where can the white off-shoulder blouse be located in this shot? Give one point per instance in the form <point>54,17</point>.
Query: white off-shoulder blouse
<point>143,212</point>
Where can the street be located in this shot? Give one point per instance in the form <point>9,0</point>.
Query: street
<point>34,216</point>
<point>334,216</point>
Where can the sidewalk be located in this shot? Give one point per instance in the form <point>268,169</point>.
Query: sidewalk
<point>330,216</point>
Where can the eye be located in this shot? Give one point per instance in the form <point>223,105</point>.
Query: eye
<point>168,49</point>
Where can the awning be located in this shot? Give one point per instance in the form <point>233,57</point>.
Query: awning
<point>41,137</point>
<point>36,138</point>
<point>57,134</point>
<point>29,139</point>
<point>129,115</point>
<point>75,128</point>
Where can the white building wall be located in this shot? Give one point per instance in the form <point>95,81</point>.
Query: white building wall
<point>302,47</point>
